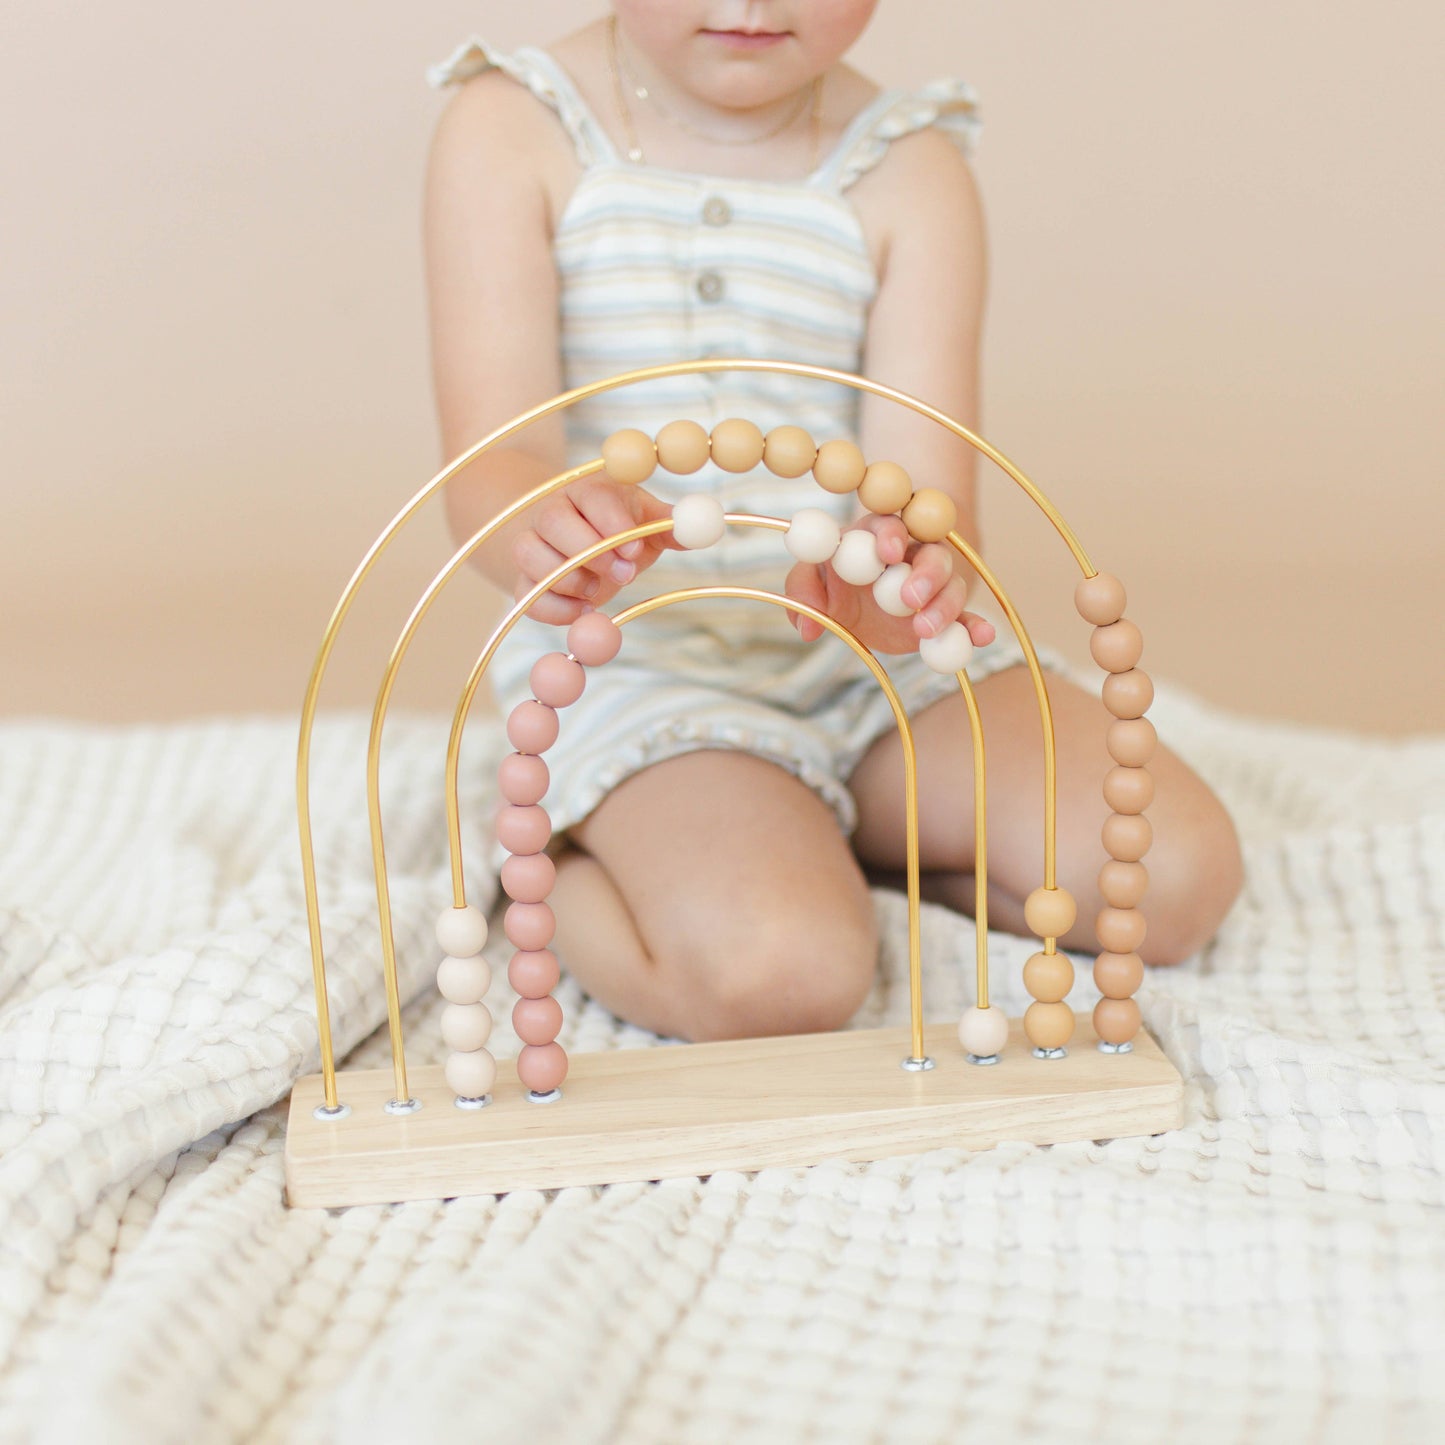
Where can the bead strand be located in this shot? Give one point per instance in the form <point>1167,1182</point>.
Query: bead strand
<point>1048,975</point>
<point>463,978</point>
<point>1116,646</point>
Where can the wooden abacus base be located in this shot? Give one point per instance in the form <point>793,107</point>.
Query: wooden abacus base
<point>698,1108</point>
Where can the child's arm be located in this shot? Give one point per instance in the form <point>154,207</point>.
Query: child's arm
<point>497,160</point>
<point>921,210</point>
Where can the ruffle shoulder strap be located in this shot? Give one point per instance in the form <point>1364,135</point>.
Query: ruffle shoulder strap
<point>949,105</point>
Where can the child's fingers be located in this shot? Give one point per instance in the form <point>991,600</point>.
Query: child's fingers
<point>550,607</point>
<point>536,559</point>
<point>980,629</point>
<point>605,507</point>
<point>565,528</point>
<point>932,569</point>
<point>806,583</point>
<point>892,536</point>
<point>946,607</point>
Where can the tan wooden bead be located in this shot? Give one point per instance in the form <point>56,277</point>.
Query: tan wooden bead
<point>1049,976</point>
<point>1117,647</point>
<point>788,451</point>
<point>1131,741</point>
<point>1049,1025</point>
<point>1128,694</point>
<point>1128,790</point>
<point>1123,884</point>
<point>737,445</point>
<point>931,515</point>
<point>1116,1020</point>
<point>886,488</point>
<point>1100,599</point>
<point>1050,912</point>
<point>630,456</point>
<point>682,448</point>
<point>1118,975</point>
<point>1127,836</point>
<point>1120,930</point>
<point>839,468</point>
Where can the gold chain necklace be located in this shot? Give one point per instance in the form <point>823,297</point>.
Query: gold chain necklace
<point>618,67</point>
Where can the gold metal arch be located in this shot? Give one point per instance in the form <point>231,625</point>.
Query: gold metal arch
<point>517,424</point>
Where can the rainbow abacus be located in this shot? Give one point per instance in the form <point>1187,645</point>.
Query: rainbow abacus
<point>334,1157</point>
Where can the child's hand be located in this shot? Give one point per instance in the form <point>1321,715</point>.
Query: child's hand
<point>569,522</point>
<point>933,588</point>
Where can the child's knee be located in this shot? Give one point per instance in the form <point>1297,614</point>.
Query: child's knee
<point>1195,875</point>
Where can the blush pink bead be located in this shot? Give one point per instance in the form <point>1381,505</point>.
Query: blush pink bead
<point>534,974</point>
<point>537,1020</point>
<point>523,830</point>
<point>542,1067</point>
<point>530,925</point>
<point>532,727</point>
<point>557,680</point>
<point>523,778</point>
<point>528,877</point>
<point>594,639</point>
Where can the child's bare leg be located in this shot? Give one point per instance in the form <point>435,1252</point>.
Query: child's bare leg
<point>713,896</point>
<point>1194,865</point>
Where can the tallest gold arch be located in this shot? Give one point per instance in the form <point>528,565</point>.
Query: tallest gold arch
<point>501,434</point>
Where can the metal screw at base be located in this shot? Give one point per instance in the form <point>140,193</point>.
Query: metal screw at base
<point>1125,1048</point>
<point>550,1097</point>
<point>328,1115</point>
<point>982,1058</point>
<point>917,1066</point>
<point>402,1106</point>
<point>1050,1053</point>
<point>481,1101</point>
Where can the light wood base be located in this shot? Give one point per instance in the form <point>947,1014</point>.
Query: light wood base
<point>697,1108</point>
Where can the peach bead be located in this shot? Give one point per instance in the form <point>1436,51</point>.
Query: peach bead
<point>1128,694</point>
<point>983,1031</point>
<point>1118,975</point>
<point>529,925</point>
<point>524,829</point>
<point>737,445</point>
<point>840,467</point>
<point>1117,647</point>
<point>1127,836</point>
<point>930,515</point>
<point>594,638</point>
<point>1119,930</point>
<point>534,974</point>
<point>464,980</point>
<point>532,727</point>
<point>557,680</point>
<point>1116,1020</point>
<point>1049,976</point>
<point>1123,884</point>
<point>886,488</point>
<point>523,778</point>
<point>1050,912</point>
<point>630,456</point>
<point>466,1026</point>
<point>471,1076</point>
<point>788,451</point>
<point>537,1020</point>
<point>1128,790</point>
<point>682,448</point>
<point>528,877</point>
<point>1049,1025</point>
<point>1100,599</point>
<point>542,1068</point>
<point>1131,741</point>
<point>461,932</point>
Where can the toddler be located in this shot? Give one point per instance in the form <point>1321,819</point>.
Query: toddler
<point>695,178</point>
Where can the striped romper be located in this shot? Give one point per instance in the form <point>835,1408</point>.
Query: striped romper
<point>657,265</point>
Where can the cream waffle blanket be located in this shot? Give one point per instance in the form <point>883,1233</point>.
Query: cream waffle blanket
<point>1275,1271</point>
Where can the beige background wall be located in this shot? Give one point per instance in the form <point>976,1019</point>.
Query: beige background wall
<point>1215,336</point>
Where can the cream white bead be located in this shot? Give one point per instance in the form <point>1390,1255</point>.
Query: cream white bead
<point>950,651</point>
<point>464,980</point>
<point>983,1031</point>
<point>462,932</point>
<point>470,1076</point>
<point>466,1026</point>
<point>888,588</point>
<point>697,521</point>
<point>812,535</point>
<point>857,560</point>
